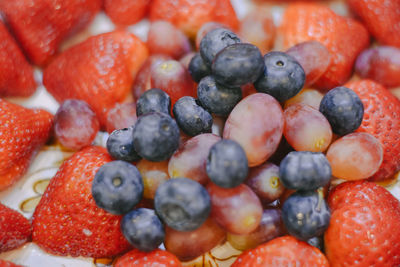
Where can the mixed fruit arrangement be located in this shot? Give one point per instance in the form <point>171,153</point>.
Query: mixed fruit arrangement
<point>274,137</point>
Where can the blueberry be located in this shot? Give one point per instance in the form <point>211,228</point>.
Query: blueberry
<point>153,100</point>
<point>283,76</point>
<point>155,136</point>
<point>237,65</point>
<point>214,41</point>
<point>305,170</point>
<point>120,145</point>
<point>117,187</point>
<point>305,214</point>
<point>143,229</point>
<point>216,98</point>
<point>197,68</point>
<point>182,204</point>
<point>192,118</point>
<point>343,109</point>
<point>227,164</point>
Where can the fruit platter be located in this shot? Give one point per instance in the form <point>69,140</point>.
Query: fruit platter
<point>204,133</point>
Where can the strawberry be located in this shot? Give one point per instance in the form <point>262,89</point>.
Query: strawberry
<point>16,75</point>
<point>99,71</point>
<point>381,17</point>
<point>23,131</point>
<point>67,220</point>
<point>345,38</point>
<point>282,251</point>
<point>225,14</point>
<point>126,12</point>
<point>158,257</point>
<point>41,25</point>
<point>382,120</point>
<point>4,263</point>
<point>15,229</point>
<point>190,15</point>
<point>365,226</point>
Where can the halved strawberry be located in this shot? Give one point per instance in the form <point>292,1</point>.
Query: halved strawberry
<point>381,17</point>
<point>365,226</point>
<point>345,38</point>
<point>99,71</point>
<point>67,220</point>
<point>22,131</point>
<point>16,75</point>
<point>41,25</point>
<point>382,120</point>
<point>15,229</point>
<point>282,251</point>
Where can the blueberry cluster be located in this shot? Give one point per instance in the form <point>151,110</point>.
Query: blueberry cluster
<point>305,213</point>
<point>180,203</point>
<point>224,64</point>
<point>118,187</point>
<point>221,67</point>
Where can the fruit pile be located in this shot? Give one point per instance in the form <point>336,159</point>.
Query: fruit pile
<point>273,137</point>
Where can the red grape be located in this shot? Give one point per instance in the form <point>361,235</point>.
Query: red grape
<point>238,210</point>
<point>381,63</point>
<point>76,124</point>
<point>153,174</point>
<point>121,116</point>
<point>189,245</point>
<point>270,227</point>
<point>306,129</point>
<point>355,156</point>
<point>314,57</point>
<point>190,159</point>
<point>143,78</point>
<point>264,181</point>
<point>165,38</point>
<point>309,97</point>
<point>172,77</point>
<point>256,123</point>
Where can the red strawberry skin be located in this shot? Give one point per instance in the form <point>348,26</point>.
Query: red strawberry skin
<point>382,19</point>
<point>15,229</point>
<point>16,75</point>
<point>126,12</point>
<point>22,131</point>
<point>382,120</point>
<point>4,263</point>
<point>41,25</point>
<point>282,251</point>
<point>365,226</point>
<point>67,220</point>
<point>99,71</point>
<point>190,15</point>
<point>156,258</point>
<point>345,38</point>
